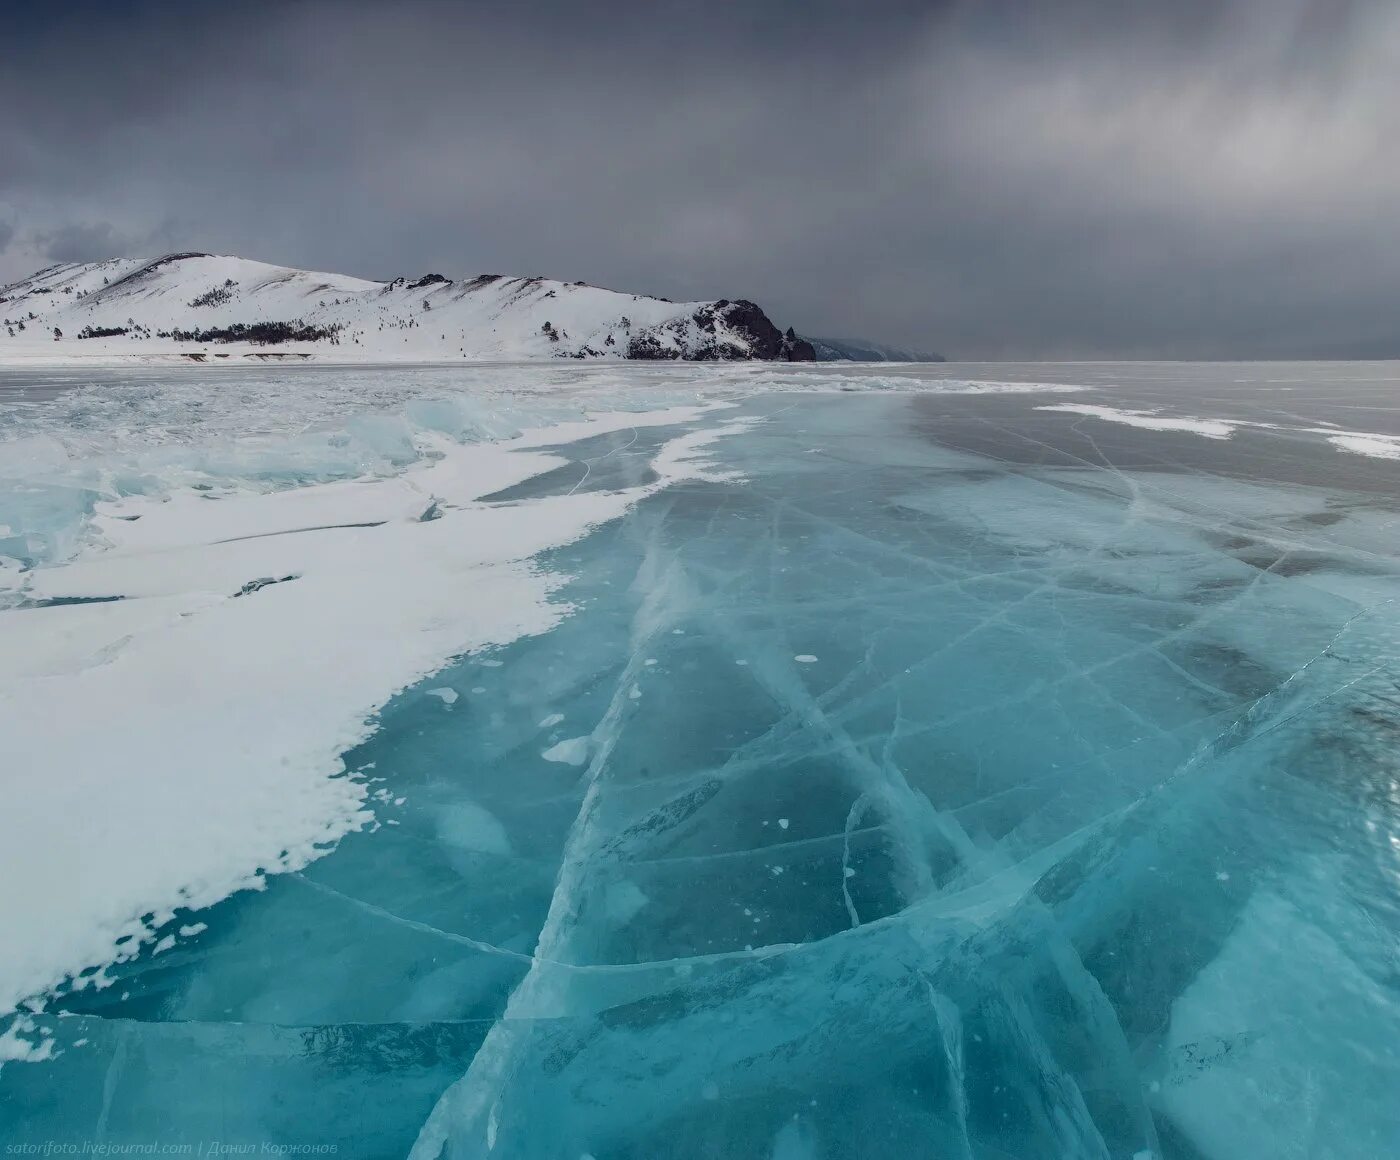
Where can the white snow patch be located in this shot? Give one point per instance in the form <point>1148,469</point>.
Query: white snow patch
<point>992,387</point>
<point>1375,446</point>
<point>805,659</point>
<point>1150,420</point>
<point>15,1048</point>
<point>552,720</point>
<point>446,695</point>
<point>573,751</point>
<point>216,722</point>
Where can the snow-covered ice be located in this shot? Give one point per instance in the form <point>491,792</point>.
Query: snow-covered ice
<point>1148,420</point>
<point>1378,446</point>
<point>178,696</point>
<point>1362,443</point>
<point>617,779</point>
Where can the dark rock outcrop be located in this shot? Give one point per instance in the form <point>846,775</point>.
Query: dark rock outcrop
<point>796,349</point>
<point>765,340</point>
<point>729,331</point>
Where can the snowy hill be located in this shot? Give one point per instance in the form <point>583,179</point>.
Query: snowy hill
<point>202,307</point>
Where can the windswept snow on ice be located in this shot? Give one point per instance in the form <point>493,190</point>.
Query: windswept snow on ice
<point>1354,442</point>
<point>768,376</point>
<point>1149,420</point>
<point>175,698</point>
<point>1360,443</point>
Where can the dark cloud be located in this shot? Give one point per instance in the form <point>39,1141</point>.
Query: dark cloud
<point>995,178</point>
<point>80,242</point>
<point>7,231</point>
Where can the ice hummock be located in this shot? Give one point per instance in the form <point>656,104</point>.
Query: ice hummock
<point>1078,837</point>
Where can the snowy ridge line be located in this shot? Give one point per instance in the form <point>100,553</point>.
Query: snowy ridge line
<point>206,308</point>
<point>184,684</point>
<point>1376,446</point>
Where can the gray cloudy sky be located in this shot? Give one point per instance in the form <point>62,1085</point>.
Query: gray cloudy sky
<point>1062,178</point>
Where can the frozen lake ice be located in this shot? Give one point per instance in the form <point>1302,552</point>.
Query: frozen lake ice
<point>641,762</point>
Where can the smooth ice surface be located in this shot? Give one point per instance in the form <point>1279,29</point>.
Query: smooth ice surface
<point>845,772</point>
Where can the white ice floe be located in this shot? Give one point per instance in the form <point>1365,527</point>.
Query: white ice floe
<point>168,747</point>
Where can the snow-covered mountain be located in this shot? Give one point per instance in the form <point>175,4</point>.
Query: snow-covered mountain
<point>204,307</point>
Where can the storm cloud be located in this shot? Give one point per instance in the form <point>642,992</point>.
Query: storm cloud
<point>1064,178</point>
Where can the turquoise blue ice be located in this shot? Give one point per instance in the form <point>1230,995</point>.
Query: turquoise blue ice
<point>965,780</point>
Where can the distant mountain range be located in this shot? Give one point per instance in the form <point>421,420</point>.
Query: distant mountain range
<point>203,307</point>
<point>863,350</point>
